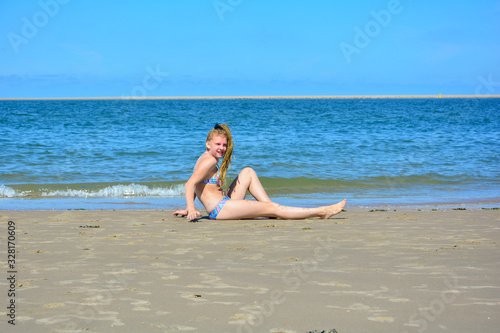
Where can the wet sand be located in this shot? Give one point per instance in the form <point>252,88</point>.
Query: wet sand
<point>407,270</point>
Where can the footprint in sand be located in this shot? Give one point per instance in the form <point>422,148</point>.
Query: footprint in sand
<point>123,271</point>
<point>54,305</point>
<point>195,297</point>
<point>140,305</point>
<point>382,319</point>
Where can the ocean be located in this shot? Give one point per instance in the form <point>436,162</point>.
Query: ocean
<point>137,154</point>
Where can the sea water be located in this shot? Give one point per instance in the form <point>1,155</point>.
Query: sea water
<point>112,154</point>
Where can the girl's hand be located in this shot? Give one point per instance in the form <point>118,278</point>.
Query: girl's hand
<point>192,215</point>
<point>180,212</point>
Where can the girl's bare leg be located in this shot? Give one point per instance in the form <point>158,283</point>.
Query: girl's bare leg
<point>247,180</point>
<point>235,209</point>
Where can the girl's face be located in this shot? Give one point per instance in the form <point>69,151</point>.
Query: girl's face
<point>217,146</point>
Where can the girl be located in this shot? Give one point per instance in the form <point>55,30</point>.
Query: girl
<point>207,180</point>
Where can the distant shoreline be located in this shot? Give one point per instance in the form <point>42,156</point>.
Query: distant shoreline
<point>249,97</point>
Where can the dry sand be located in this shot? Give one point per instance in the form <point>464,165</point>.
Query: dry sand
<point>146,271</point>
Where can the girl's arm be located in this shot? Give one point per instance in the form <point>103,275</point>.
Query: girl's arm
<point>191,212</point>
<point>201,171</point>
<point>182,212</point>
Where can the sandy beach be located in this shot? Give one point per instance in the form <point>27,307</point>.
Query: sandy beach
<point>404,270</point>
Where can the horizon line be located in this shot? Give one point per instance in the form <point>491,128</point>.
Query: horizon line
<point>251,97</point>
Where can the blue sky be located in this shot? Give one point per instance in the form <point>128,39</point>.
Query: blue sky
<point>87,48</point>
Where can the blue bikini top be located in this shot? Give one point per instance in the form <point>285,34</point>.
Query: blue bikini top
<point>214,179</point>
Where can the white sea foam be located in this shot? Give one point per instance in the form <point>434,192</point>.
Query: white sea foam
<point>7,192</point>
<point>120,191</point>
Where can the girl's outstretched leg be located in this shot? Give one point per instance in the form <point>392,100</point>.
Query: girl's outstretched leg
<point>247,180</point>
<point>246,209</point>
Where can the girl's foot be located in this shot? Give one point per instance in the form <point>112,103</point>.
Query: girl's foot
<point>329,211</point>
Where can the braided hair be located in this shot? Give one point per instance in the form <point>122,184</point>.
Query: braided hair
<point>224,131</point>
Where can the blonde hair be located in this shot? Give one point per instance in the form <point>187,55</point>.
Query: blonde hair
<point>224,131</point>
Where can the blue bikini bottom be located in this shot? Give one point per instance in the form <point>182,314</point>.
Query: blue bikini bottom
<point>216,211</point>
